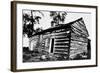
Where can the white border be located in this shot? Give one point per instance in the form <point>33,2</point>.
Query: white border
<point>21,65</point>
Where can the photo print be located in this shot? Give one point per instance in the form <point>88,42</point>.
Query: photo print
<point>55,35</point>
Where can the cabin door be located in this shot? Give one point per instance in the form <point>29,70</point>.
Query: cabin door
<point>51,49</point>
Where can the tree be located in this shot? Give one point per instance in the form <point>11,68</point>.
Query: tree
<point>29,21</point>
<point>57,17</point>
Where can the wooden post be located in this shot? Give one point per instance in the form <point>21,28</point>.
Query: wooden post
<point>69,43</point>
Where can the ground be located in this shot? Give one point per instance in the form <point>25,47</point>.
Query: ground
<point>41,56</point>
